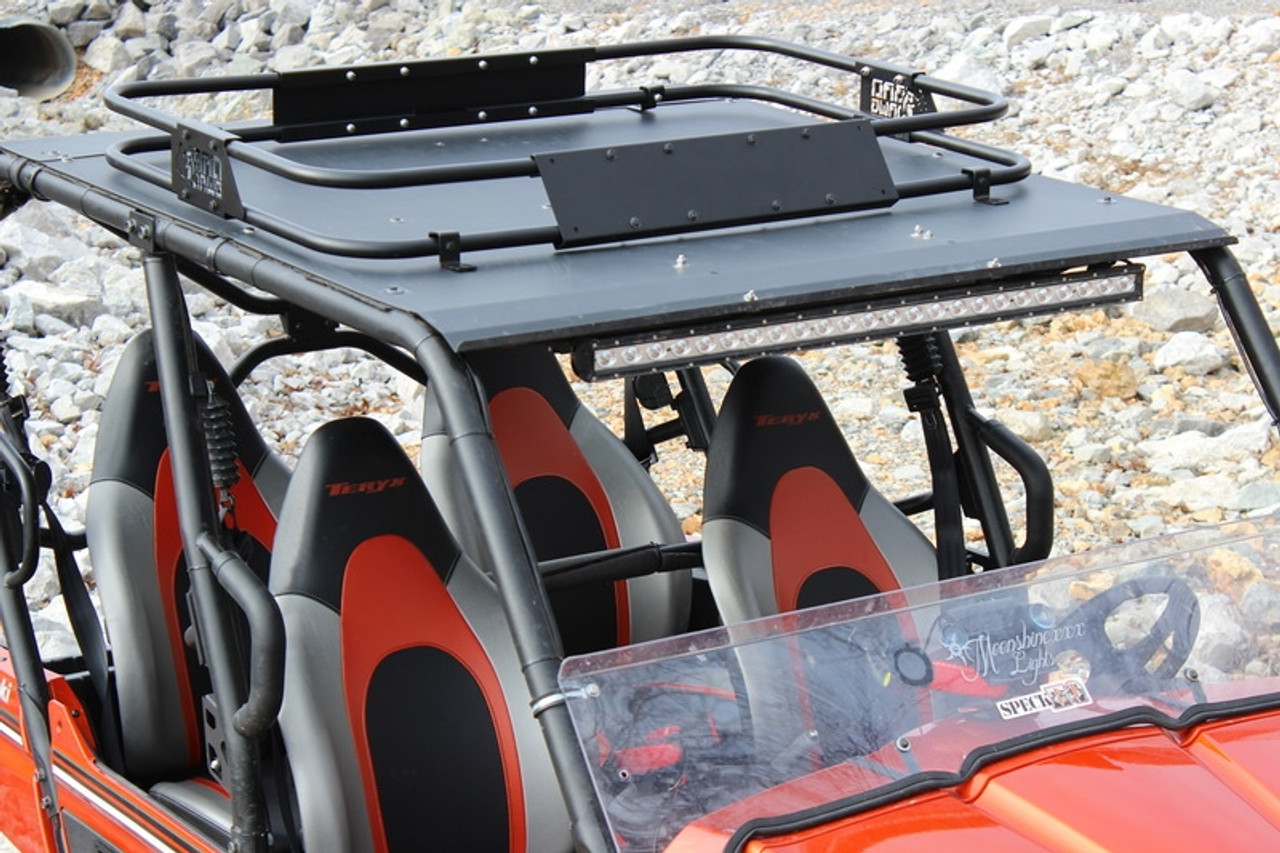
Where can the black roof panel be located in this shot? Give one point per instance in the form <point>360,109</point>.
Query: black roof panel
<point>537,292</point>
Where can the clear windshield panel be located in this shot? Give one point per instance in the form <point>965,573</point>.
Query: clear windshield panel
<point>854,701</point>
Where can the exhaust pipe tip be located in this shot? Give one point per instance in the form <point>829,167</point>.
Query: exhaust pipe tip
<point>35,59</point>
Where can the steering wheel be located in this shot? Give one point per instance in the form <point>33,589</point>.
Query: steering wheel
<point>1173,632</point>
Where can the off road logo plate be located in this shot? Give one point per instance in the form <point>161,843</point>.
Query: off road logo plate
<point>1054,696</point>
<point>891,95</point>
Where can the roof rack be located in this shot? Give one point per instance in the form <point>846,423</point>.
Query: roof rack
<point>831,162</point>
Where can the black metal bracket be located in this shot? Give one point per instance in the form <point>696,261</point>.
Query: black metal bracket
<point>201,169</point>
<point>141,230</point>
<point>449,248</point>
<point>982,187</point>
<point>651,96</point>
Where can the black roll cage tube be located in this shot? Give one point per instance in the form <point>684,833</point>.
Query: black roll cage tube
<point>207,558</point>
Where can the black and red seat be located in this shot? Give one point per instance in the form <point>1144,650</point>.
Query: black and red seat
<point>136,546</point>
<point>405,715</point>
<point>790,520</point>
<point>579,491</point>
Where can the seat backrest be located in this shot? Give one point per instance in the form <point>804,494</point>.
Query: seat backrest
<point>579,490</point>
<point>406,717</point>
<point>790,520</point>
<point>136,545</point>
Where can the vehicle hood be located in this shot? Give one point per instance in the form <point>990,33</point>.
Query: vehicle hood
<point>1214,787</point>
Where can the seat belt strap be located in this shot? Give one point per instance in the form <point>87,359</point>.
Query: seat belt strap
<point>88,632</point>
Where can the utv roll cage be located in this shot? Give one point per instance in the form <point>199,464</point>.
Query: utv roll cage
<point>426,210</point>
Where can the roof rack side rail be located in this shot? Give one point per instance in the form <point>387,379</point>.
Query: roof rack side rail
<point>123,98</point>
<point>987,106</point>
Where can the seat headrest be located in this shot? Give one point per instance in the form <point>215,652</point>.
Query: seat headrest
<point>533,367</point>
<point>353,483</point>
<point>131,434</point>
<point>773,420</point>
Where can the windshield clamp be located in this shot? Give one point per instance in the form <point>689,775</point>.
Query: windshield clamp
<point>547,702</point>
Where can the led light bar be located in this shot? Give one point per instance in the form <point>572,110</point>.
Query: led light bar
<point>671,349</point>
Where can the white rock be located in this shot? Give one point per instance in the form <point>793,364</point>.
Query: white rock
<point>107,54</point>
<point>1071,20</point>
<point>193,57</point>
<point>44,298</point>
<point>1191,351</point>
<point>37,242</point>
<point>1026,28</point>
<point>1260,37</point>
<point>1172,309</point>
<point>109,330</point>
<point>1189,91</point>
<point>292,58</point>
<point>291,12</point>
<point>1257,495</point>
<point>1222,640</point>
<point>54,637</point>
<point>1155,42</point>
<point>1029,426</point>
<point>51,326</point>
<point>1260,604</point>
<point>65,410</point>
<point>1194,450</point>
<point>970,69</point>
<point>63,12</point>
<point>1100,39</point>
<point>130,22</point>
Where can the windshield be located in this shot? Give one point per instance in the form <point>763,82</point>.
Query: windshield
<point>858,702</point>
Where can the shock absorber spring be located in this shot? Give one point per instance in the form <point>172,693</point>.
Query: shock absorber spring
<point>920,357</point>
<point>220,439</point>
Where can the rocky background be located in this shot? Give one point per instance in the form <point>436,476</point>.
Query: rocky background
<point>1146,416</point>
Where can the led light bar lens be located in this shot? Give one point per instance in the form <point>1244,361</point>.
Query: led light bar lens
<point>1021,299</point>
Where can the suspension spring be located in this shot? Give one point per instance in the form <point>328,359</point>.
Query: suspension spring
<point>920,357</point>
<point>220,438</point>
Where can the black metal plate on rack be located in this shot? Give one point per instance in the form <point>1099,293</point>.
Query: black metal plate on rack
<point>428,93</point>
<point>649,189</point>
<point>201,170</point>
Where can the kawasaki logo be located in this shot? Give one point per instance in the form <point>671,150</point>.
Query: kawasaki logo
<point>368,487</point>
<point>786,420</point>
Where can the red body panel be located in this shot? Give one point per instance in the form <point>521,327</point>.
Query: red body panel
<point>1133,790</point>
<point>111,807</point>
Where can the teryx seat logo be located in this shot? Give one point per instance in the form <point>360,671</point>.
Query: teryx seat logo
<point>368,487</point>
<point>786,420</point>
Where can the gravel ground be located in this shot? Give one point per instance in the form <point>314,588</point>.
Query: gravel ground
<point>1146,417</point>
